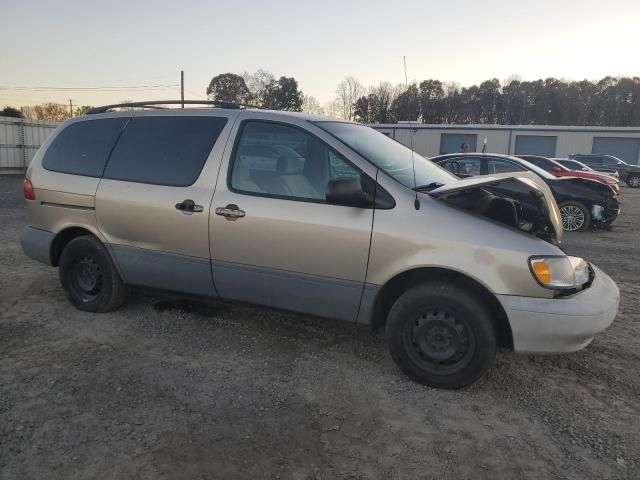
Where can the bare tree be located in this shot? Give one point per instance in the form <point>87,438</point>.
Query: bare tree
<point>348,91</point>
<point>333,108</point>
<point>311,105</point>
<point>55,112</point>
<point>514,77</point>
<point>258,84</point>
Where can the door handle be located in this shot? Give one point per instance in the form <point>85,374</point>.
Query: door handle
<point>188,207</point>
<point>230,212</point>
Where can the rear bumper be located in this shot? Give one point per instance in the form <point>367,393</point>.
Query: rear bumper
<point>36,244</point>
<point>562,325</point>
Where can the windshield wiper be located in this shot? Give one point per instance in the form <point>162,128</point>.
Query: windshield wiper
<point>428,187</point>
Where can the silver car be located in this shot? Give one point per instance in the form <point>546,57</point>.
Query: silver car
<point>313,215</point>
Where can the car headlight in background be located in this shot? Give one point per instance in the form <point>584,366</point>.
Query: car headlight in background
<point>597,212</point>
<point>562,273</point>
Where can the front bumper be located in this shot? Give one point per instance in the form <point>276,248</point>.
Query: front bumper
<point>603,215</point>
<point>559,325</point>
<point>36,244</point>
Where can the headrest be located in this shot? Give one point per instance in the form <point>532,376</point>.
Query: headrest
<point>290,165</point>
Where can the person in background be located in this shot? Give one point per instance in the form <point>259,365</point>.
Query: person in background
<point>464,148</point>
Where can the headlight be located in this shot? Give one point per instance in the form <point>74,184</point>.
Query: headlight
<point>597,212</point>
<point>561,273</point>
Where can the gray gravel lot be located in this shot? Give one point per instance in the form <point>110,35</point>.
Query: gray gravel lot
<point>172,389</point>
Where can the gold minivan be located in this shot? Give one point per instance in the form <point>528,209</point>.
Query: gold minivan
<point>314,215</point>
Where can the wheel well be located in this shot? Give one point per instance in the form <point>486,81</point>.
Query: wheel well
<point>62,239</point>
<point>404,281</point>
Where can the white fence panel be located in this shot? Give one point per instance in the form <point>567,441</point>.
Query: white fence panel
<point>19,141</point>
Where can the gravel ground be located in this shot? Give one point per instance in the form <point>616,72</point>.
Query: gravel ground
<point>169,389</point>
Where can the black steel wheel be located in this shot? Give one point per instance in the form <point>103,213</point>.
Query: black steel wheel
<point>86,277</point>
<point>441,335</point>
<point>439,342</point>
<point>89,277</point>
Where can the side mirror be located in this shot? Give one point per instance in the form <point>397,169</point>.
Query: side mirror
<point>556,169</point>
<point>360,191</point>
<point>348,192</point>
<point>585,169</point>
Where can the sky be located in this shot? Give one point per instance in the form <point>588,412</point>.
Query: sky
<point>102,52</point>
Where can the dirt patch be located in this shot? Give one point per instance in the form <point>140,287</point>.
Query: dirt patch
<point>169,388</point>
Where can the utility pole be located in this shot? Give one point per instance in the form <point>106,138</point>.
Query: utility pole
<point>182,87</point>
<point>70,109</point>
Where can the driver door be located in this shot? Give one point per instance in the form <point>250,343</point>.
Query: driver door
<point>275,240</point>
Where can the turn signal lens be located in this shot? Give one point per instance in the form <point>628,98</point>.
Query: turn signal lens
<point>559,271</point>
<point>29,192</point>
<point>542,271</point>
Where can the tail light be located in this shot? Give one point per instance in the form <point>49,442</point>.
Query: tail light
<point>29,192</point>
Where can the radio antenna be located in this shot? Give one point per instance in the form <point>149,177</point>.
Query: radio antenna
<point>416,202</point>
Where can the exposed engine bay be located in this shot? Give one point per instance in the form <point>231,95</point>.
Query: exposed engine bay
<point>508,201</point>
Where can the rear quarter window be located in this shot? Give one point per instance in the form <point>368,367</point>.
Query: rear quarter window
<point>164,150</point>
<point>83,148</point>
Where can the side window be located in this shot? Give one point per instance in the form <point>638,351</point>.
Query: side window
<point>82,148</point>
<point>164,150</point>
<point>274,159</point>
<point>339,168</point>
<point>538,162</point>
<point>469,166</point>
<point>496,165</point>
<point>610,162</point>
<point>591,161</point>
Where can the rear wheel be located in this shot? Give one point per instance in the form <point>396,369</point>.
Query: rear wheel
<point>634,181</point>
<point>89,277</point>
<point>441,335</point>
<point>575,216</point>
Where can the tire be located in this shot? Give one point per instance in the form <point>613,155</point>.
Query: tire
<point>575,216</point>
<point>633,181</point>
<point>89,277</point>
<point>441,335</point>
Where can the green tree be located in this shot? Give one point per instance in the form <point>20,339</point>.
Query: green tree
<point>405,107</point>
<point>283,95</point>
<point>228,87</point>
<point>431,101</point>
<point>362,110</point>
<point>11,112</point>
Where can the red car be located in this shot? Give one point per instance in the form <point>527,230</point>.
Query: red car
<point>558,170</point>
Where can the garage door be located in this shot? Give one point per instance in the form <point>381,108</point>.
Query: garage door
<point>627,149</point>
<point>452,142</point>
<point>536,145</point>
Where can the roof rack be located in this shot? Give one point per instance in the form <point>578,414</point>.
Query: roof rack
<point>155,103</point>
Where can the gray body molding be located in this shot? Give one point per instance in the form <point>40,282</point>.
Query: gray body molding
<point>37,244</point>
<point>165,271</point>
<point>367,304</point>
<point>298,292</point>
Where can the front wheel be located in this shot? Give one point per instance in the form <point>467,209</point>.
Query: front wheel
<point>89,277</point>
<point>575,216</point>
<point>634,181</point>
<point>441,335</point>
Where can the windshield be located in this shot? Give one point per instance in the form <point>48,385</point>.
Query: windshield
<point>390,156</point>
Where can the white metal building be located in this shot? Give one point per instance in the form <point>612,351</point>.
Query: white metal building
<point>19,141</point>
<point>548,141</point>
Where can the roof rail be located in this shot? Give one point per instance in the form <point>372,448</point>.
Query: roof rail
<point>154,103</point>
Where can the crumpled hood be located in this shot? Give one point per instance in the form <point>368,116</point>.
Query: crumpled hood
<point>503,184</point>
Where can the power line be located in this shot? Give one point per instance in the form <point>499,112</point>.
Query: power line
<point>101,88</point>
